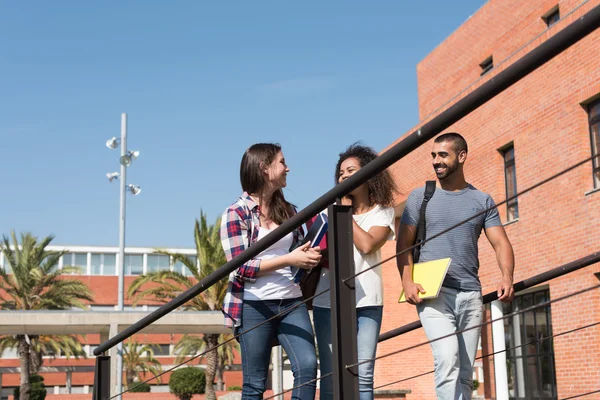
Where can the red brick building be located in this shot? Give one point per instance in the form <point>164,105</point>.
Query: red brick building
<point>541,125</point>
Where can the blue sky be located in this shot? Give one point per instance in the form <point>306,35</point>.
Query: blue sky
<point>200,82</point>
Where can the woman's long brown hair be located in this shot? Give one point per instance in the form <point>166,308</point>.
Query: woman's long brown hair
<point>254,160</point>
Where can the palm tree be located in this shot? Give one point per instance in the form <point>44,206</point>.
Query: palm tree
<point>192,344</point>
<point>139,358</point>
<point>45,345</point>
<point>36,284</point>
<point>168,284</point>
<point>226,356</point>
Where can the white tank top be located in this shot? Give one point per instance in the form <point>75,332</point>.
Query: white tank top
<point>278,284</point>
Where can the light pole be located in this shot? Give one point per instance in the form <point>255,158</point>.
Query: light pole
<point>125,160</point>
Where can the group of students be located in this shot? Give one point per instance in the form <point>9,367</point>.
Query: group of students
<point>264,304</point>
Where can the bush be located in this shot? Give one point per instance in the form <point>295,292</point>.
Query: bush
<point>475,384</point>
<point>232,388</point>
<point>38,389</point>
<point>186,382</point>
<point>140,387</point>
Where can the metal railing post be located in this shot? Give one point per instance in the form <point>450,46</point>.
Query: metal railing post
<point>343,303</point>
<point>102,378</point>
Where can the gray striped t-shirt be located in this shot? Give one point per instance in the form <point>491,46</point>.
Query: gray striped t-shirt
<point>444,210</point>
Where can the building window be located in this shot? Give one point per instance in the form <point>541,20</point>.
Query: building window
<point>552,16</point>
<point>510,182</point>
<point>158,262</point>
<point>78,260</point>
<point>4,264</point>
<point>9,352</point>
<point>487,65</point>
<point>72,390</point>
<point>530,355</point>
<point>104,264</point>
<point>52,354</point>
<point>103,308</point>
<point>92,348</point>
<point>161,350</point>
<point>134,264</point>
<point>182,269</point>
<point>594,114</point>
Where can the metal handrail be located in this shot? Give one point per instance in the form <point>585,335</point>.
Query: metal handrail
<point>519,286</point>
<point>503,80</point>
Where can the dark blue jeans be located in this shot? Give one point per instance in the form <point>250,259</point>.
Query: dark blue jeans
<point>295,334</point>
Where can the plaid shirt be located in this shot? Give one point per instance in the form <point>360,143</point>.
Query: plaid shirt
<point>240,224</point>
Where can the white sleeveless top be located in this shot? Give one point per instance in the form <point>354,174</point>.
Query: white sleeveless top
<point>369,285</point>
<point>278,284</point>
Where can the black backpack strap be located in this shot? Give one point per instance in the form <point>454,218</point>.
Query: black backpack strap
<point>429,191</point>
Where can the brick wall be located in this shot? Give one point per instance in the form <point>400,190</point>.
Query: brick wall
<point>543,116</point>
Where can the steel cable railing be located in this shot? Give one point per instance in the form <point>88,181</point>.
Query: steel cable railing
<point>483,212</point>
<point>478,358</point>
<point>530,282</point>
<point>546,51</point>
<point>235,337</point>
<point>458,332</point>
<point>581,395</point>
<point>497,352</point>
<point>299,386</point>
<point>529,189</point>
<point>491,321</point>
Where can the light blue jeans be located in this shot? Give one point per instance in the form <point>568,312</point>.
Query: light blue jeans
<point>369,325</point>
<point>453,310</point>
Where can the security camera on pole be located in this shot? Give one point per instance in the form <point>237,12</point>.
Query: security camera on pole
<point>127,157</point>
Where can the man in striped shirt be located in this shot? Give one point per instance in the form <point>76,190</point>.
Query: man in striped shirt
<point>459,304</point>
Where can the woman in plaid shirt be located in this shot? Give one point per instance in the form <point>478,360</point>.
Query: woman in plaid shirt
<point>264,286</point>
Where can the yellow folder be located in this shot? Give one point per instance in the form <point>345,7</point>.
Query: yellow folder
<point>430,275</point>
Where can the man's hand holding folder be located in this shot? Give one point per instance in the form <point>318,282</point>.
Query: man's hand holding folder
<point>411,292</point>
<point>425,281</point>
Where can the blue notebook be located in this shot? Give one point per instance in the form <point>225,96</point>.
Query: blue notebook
<point>315,235</point>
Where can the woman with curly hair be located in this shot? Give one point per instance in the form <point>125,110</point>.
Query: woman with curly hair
<point>373,225</point>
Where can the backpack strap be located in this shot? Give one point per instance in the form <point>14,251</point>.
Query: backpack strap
<point>421,234</point>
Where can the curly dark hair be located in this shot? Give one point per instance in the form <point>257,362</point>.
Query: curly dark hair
<point>382,186</point>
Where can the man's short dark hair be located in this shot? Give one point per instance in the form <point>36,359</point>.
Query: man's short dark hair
<point>459,142</point>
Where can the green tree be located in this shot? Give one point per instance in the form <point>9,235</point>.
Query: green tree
<point>36,283</point>
<point>38,388</point>
<point>226,356</point>
<point>195,344</point>
<point>45,345</point>
<point>139,358</point>
<point>140,388</point>
<point>186,382</point>
<point>166,285</point>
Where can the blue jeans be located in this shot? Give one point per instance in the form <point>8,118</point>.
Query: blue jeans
<point>453,310</point>
<point>369,325</point>
<point>293,331</point>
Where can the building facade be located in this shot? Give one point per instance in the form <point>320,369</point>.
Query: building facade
<point>541,125</point>
<point>99,272</point>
